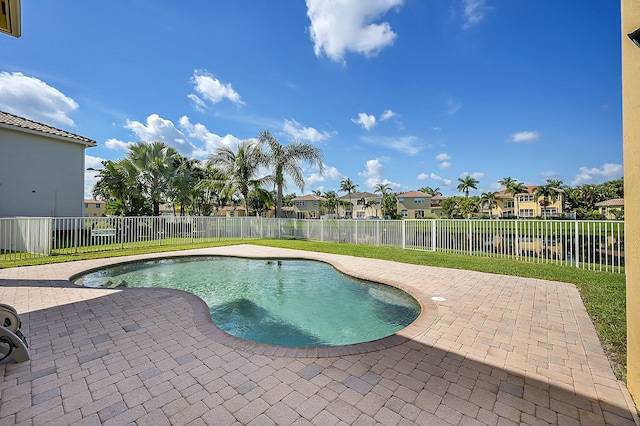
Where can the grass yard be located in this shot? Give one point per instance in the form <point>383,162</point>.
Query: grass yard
<point>603,293</point>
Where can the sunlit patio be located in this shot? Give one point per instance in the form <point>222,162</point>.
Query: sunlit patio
<point>490,349</point>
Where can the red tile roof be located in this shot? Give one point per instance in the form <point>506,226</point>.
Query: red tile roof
<point>8,120</point>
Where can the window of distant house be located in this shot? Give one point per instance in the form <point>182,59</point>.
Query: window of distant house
<point>360,215</point>
<point>550,211</point>
<point>418,200</point>
<point>312,214</point>
<point>232,214</point>
<point>401,200</point>
<point>97,205</point>
<point>526,198</point>
<point>404,213</point>
<point>419,213</point>
<point>299,203</point>
<point>508,204</point>
<point>526,213</point>
<point>86,205</point>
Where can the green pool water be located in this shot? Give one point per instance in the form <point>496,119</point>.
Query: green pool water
<point>279,302</point>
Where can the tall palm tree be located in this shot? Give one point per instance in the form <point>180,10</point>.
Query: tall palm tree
<point>285,159</point>
<point>240,167</point>
<point>548,194</point>
<point>349,187</point>
<point>515,189</point>
<point>488,200</point>
<point>154,163</point>
<point>508,181</point>
<point>118,186</point>
<point>431,191</point>
<point>467,183</point>
<point>381,188</point>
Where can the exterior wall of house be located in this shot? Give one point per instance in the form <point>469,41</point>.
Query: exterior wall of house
<point>358,208</point>
<point>630,10</point>
<point>40,176</point>
<point>526,206</point>
<point>94,208</point>
<point>410,207</point>
<point>306,208</point>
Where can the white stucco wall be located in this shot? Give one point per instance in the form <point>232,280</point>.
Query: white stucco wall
<point>40,175</point>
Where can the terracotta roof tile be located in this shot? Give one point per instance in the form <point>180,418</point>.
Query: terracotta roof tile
<point>12,120</point>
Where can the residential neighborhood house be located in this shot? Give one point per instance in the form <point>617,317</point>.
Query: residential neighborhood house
<point>41,169</point>
<point>527,205</point>
<point>611,209</point>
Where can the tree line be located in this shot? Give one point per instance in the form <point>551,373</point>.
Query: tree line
<point>154,173</point>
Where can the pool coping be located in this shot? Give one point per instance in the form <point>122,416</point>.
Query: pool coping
<point>205,324</point>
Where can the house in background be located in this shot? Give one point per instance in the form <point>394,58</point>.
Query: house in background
<point>355,205</point>
<point>307,206</point>
<point>414,205</point>
<point>41,169</point>
<point>94,208</point>
<point>610,208</point>
<point>527,205</point>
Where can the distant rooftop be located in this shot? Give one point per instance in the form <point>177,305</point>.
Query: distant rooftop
<point>8,120</point>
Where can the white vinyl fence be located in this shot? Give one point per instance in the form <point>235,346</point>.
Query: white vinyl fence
<point>594,245</point>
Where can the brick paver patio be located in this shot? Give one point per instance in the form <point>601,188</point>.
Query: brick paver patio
<point>497,351</point>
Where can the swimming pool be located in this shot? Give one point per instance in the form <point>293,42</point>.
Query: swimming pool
<point>298,303</point>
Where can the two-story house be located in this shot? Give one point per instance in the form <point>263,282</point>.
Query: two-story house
<point>94,208</point>
<point>359,205</point>
<point>414,205</point>
<point>526,204</point>
<point>307,206</point>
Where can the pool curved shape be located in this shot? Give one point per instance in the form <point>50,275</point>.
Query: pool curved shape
<point>282,302</point>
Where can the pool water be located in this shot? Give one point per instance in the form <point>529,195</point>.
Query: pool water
<point>279,302</point>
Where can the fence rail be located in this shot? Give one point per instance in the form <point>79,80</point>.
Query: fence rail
<point>593,245</point>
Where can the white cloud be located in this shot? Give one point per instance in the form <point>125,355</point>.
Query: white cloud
<point>406,144</point>
<point>443,157</point>
<point>329,173</point>
<point>365,120</point>
<point>526,136</point>
<point>373,173</point>
<point>162,130</point>
<point>608,171</point>
<point>452,107</point>
<point>90,176</point>
<point>211,141</point>
<point>474,11</point>
<point>117,145</point>
<point>445,165</point>
<point>340,26</point>
<point>209,88</point>
<point>440,179</point>
<point>475,175</point>
<point>32,98</point>
<point>309,134</point>
<point>387,114</point>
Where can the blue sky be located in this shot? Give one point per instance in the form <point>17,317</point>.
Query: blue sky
<point>411,93</point>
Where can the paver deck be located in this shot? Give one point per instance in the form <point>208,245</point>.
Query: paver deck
<point>497,350</point>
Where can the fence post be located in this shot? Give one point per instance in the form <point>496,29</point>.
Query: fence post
<point>404,233</point>
<point>576,245</point>
<point>433,234</point>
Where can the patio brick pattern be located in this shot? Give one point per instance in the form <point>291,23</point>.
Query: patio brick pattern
<point>498,350</point>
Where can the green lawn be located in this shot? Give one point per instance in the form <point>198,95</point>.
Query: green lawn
<point>603,292</point>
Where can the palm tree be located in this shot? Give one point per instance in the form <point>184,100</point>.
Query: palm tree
<point>467,183</point>
<point>153,163</point>
<point>488,200</point>
<point>548,194</point>
<point>348,186</point>
<point>286,160</point>
<point>508,181</point>
<point>331,202</point>
<point>119,188</point>
<point>514,189</point>
<point>240,167</point>
<point>431,191</point>
<point>381,188</point>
